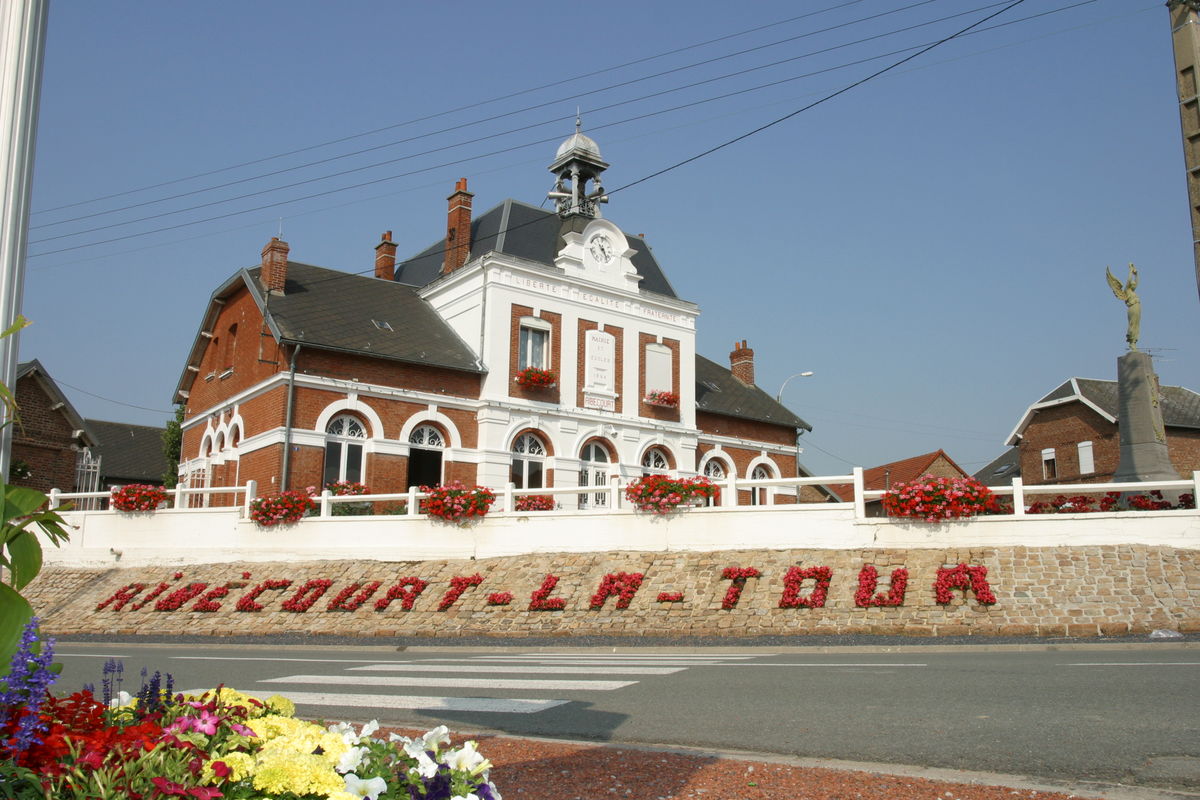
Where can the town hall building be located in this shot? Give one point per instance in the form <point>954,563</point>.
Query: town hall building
<point>532,346</point>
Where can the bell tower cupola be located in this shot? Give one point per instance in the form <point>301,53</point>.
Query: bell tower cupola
<point>577,167</point>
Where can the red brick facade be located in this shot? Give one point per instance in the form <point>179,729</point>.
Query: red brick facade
<point>43,440</point>
<point>1063,427</point>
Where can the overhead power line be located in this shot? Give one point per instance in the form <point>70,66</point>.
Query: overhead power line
<point>468,106</point>
<point>920,48</point>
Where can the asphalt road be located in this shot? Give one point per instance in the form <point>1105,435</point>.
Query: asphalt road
<point>1067,713</point>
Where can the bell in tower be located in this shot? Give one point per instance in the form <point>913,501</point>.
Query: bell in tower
<point>577,164</point>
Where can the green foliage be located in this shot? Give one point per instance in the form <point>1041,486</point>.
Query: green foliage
<point>173,447</point>
<point>23,515</point>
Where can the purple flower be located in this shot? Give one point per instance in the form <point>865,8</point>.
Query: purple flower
<point>25,686</point>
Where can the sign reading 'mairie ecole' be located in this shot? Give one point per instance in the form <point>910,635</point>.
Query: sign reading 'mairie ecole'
<point>803,587</point>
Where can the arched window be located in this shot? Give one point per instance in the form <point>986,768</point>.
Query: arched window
<point>759,494</point>
<point>714,470</point>
<point>344,436</point>
<point>655,462</point>
<point>528,462</point>
<point>593,471</point>
<point>425,456</point>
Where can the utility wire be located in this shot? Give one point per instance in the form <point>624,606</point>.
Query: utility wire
<point>493,118</point>
<point>923,49</point>
<point>466,107</point>
<point>824,99</point>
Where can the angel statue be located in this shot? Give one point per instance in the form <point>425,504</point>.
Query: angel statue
<point>1133,306</point>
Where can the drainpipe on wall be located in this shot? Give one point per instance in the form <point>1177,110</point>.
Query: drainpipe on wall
<point>287,422</point>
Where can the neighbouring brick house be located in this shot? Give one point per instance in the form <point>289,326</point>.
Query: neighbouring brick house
<point>885,476</point>
<point>415,375</point>
<point>51,439</point>
<point>1072,435</point>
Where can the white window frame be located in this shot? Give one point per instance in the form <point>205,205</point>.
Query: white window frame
<point>527,329</point>
<point>1049,464</point>
<point>345,431</point>
<point>659,361</point>
<point>526,449</point>
<point>655,461</point>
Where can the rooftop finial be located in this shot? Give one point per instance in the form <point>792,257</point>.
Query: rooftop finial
<point>578,120</point>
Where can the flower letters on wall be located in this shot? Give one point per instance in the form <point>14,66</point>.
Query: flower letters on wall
<point>803,587</point>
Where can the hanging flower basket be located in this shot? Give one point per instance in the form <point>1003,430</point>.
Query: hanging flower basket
<point>662,398</point>
<point>659,494</point>
<point>537,378</point>
<point>456,503</point>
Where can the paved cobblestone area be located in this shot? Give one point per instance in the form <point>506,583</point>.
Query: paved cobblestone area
<point>1047,592</point>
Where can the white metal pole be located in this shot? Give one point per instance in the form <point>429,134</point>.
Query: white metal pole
<point>22,44</point>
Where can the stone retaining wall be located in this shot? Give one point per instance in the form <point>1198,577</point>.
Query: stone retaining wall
<point>1081,591</point>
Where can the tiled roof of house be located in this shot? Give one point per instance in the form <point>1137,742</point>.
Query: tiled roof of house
<point>887,475</point>
<point>1180,406</point>
<point>527,232</point>
<point>129,453</point>
<point>719,392</point>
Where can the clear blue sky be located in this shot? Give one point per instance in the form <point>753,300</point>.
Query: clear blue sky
<point>931,244</point>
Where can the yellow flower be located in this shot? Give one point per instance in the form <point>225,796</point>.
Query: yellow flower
<point>299,773</point>
<point>240,766</point>
<point>281,705</point>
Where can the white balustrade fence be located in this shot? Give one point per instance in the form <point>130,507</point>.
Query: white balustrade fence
<point>199,529</point>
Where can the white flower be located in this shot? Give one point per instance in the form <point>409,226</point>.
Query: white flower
<point>122,698</point>
<point>467,759</point>
<point>366,790</point>
<point>368,729</point>
<point>351,759</point>
<point>471,796</point>
<point>426,766</point>
<point>436,737</point>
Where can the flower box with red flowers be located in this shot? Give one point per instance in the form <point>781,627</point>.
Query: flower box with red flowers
<point>660,494</point>
<point>281,509</point>
<point>535,502</point>
<point>934,499</point>
<point>456,503</point>
<point>138,497</point>
<point>662,398</point>
<point>537,378</point>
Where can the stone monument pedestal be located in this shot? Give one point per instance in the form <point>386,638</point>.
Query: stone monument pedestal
<point>1144,455</point>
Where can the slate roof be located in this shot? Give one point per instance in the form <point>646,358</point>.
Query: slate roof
<point>902,471</point>
<point>333,310</point>
<point>336,310</point>
<point>129,453</point>
<point>718,392</point>
<point>527,232</point>
<point>1002,470</point>
<point>1180,406</point>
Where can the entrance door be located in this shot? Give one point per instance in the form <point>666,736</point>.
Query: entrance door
<point>425,456</point>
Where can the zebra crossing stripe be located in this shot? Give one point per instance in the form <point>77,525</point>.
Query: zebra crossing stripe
<point>519,669</point>
<point>453,681</point>
<point>613,663</point>
<point>490,705</point>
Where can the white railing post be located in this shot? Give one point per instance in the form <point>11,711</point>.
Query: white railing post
<point>1018,497</point>
<point>730,499</point>
<point>251,493</point>
<point>507,499</point>
<point>54,493</point>
<point>860,502</point>
<point>325,495</point>
<point>1196,489</point>
<point>413,504</point>
<point>178,501</point>
<point>614,492</point>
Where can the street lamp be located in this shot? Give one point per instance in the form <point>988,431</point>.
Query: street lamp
<point>805,374</point>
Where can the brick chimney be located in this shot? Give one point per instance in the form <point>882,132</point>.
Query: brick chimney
<point>458,228</point>
<point>385,258</point>
<point>274,265</point>
<point>741,363</point>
